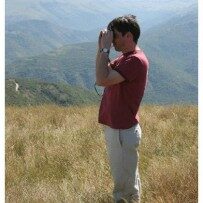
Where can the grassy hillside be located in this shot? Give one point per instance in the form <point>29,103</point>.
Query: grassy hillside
<point>33,92</point>
<point>58,154</point>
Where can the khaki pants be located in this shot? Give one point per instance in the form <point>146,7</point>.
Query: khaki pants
<point>122,146</point>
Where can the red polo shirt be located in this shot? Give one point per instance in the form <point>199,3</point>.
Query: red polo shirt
<point>120,102</point>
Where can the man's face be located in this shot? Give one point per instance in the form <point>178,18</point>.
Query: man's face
<point>118,40</point>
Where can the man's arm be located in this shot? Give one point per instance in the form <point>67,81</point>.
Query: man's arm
<point>105,76</point>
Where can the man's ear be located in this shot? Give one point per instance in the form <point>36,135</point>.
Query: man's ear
<point>129,35</point>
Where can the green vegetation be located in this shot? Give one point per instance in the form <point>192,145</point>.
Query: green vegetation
<point>173,49</point>
<point>58,154</point>
<point>21,38</point>
<point>33,92</point>
<point>170,47</point>
<point>71,64</point>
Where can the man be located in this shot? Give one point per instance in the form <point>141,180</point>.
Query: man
<point>124,80</point>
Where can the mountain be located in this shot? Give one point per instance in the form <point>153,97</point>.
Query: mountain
<point>71,64</point>
<point>173,52</point>
<point>171,48</point>
<point>33,92</point>
<point>91,14</point>
<point>34,37</point>
<point>40,26</point>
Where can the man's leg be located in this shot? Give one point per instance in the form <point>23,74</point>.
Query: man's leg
<point>115,160</point>
<point>130,139</point>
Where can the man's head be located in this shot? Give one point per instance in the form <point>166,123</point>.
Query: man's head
<point>125,24</point>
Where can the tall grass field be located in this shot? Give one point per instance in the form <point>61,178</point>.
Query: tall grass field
<point>58,154</point>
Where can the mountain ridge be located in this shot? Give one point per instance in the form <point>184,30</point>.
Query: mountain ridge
<point>24,92</point>
<point>92,14</point>
<point>173,67</point>
<point>21,38</point>
<point>70,22</point>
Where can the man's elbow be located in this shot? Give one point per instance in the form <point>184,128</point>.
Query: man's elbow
<point>101,83</point>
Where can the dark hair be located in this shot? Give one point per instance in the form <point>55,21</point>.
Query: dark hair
<point>124,24</point>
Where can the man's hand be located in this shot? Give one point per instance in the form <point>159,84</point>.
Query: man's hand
<point>105,76</point>
<point>105,39</point>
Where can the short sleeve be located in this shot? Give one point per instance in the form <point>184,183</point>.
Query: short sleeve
<point>131,68</point>
<point>113,63</point>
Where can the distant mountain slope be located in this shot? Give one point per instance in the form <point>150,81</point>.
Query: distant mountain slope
<point>91,14</point>
<point>71,64</point>
<point>34,37</point>
<point>37,26</point>
<point>32,92</point>
<point>173,52</point>
<point>170,47</point>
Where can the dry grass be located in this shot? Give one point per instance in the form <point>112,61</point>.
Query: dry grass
<point>57,154</point>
